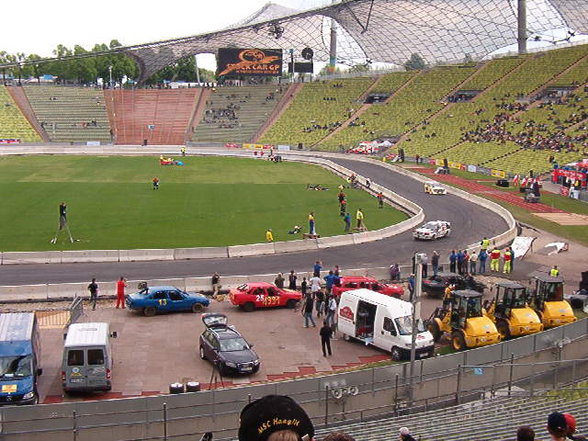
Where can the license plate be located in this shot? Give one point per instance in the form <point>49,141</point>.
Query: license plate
<point>247,369</point>
<point>76,380</point>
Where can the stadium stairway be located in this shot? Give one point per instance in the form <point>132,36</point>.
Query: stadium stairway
<point>489,419</point>
<point>70,114</point>
<point>157,116</point>
<point>252,109</point>
<point>282,106</point>
<point>13,124</point>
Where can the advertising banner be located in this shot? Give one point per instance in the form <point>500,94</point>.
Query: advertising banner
<point>498,174</point>
<point>233,62</point>
<point>9,141</point>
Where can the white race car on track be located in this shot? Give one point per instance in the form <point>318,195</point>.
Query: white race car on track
<point>433,187</point>
<point>432,230</point>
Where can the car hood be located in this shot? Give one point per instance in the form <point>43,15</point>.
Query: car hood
<point>23,385</point>
<point>245,356</point>
<point>423,230</point>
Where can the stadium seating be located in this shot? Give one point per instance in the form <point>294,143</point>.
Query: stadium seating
<point>168,112</point>
<point>317,110</point>
<point>70,114</point>
<point>419,100</point>
<point>250,106</point>
<point>13,124</point>
<point>505,81</point>
<point>489,419</point>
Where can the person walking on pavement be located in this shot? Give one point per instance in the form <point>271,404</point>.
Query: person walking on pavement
<point>473,262</point>
<point>482,257</point>
<point>279,281</point>
<point>425,264</point>
<point>435,263</point>
<point>292,277</point>
<point>307,310</point>
<point>347,220</point>
<point>326,333</point>
<point>452,261</point>
<point>93,288</point>
<point>331,310</point>
<point>120,292</point>
<point>411,286</point>
<point>303,286</point>
<point>507,261</point>
<point>215,281</point>
<point>495,260</point>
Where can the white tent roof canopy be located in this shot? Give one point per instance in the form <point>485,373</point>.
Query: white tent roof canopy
<point>388,31</point>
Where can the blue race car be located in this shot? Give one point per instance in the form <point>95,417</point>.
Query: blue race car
<point>156,299</point>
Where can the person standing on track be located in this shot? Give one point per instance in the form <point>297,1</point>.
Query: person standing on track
<point>120,292</point>
<point>326,333</point>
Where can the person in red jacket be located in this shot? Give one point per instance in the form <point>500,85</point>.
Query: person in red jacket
<point>120,292</point>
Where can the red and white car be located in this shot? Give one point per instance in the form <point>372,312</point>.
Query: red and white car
<point>355,282</point>
<point>250,296</point>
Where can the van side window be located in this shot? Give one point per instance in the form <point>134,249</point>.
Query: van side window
<point>389,325</point>
<point>75,358</point>
<point>95,356</point>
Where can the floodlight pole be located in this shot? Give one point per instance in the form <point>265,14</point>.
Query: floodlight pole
<point>197,71</point>
<point>416,315</point>
<point>522,26</point>
<point>333,45</point>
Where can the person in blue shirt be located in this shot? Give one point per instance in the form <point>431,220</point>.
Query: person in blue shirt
<point>331,279</point>
<point>460,261</point>
<point>316,269</point>
<point>452,261</point>
<point>482,257</point>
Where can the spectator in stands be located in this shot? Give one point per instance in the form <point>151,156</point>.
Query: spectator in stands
<point>275,418</point>
<point>557,426</point>
<point>525,433</point>
<point>338,436</point>
<point>404,434</point>
<point>571,424</point>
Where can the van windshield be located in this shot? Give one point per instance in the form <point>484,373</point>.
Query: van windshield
<point>18,366</point>
<point>404,325</point>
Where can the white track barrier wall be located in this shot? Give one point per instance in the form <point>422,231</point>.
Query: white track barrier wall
<point>96,256</point>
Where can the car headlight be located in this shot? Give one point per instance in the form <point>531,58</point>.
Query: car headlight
<point>230,364</point>
<point>28,395</point>
<point>256,361</point>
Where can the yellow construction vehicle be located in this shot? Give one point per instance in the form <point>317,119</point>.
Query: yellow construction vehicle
<point>510,312</point>
<point>464,321</point>
<point>547,299</point>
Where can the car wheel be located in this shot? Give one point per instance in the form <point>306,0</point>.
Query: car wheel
<point>396,354</point>
<point>256,369</point>
<point>202,355</point>
<point>435,331</point>
<point>503,329</point>
<point>149,311</point>
<point>458,341</point>
<point>197,307</point>
<point>291,303</point>
<point>249,306</point>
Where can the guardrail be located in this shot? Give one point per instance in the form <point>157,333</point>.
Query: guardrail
<point>557,356</point>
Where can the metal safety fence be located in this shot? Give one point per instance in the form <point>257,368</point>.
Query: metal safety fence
<point>550,360</point>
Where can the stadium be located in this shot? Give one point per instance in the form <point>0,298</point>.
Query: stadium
<point>332,141</point>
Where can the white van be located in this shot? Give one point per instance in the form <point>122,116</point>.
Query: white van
<point>382,321</point>
<point>87,358</point>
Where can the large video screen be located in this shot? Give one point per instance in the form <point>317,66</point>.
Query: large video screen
<point>234,62</point>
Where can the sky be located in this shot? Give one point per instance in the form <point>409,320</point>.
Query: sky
<point>71,22</point>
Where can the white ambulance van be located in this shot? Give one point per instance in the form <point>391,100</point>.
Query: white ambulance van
<point>382,321</point>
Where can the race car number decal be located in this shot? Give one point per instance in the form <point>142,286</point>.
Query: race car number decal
<point>162,302</point>
<point>267,300</point>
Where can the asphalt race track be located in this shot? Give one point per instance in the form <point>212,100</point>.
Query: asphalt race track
<point>469,221</point>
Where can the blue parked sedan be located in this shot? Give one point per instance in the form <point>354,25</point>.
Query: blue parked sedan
<point>165,299</point>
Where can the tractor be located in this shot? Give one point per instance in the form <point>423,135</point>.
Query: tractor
<point>510,312</point>
<point>547,299</point>
<point>464,321</point>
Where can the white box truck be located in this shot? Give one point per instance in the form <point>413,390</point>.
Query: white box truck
<point>382,321</point>
<point>87,358</point>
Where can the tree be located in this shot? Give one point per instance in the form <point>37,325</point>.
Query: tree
<point>415,62</point>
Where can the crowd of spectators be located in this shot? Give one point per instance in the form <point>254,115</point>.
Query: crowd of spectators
<point>549,134</point>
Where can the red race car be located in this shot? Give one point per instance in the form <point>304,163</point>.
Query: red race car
<point>355,282</point>
<point>263,295</point>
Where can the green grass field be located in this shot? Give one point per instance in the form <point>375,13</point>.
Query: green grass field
<point>207,202</point>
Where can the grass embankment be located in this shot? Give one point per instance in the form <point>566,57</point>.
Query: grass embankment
<point>207,202</point>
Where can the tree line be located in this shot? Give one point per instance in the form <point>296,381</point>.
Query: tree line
<point>88,70</point>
